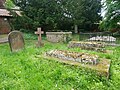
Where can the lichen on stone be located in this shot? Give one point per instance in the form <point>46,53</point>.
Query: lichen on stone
<point>84,58</point>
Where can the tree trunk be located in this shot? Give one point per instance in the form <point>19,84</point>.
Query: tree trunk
<point>76,28</point>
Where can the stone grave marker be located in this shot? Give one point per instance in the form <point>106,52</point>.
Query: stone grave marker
<point>85,60</point>
<point>56,37</point>
<point>16,41</point>
<point>39,32</point>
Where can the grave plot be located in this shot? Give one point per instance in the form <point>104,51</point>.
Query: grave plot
<point>110,40</point>
<point>94,41</point>
<point>56,37</point>
<point>106,37</point>
<point>96,46</point>
<point>103,39</point>
<point>82,59</point>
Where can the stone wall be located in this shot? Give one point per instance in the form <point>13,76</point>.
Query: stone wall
<point>59,36</point>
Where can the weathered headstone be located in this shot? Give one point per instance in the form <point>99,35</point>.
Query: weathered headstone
<point>39,32</point>
<point>16,41</point>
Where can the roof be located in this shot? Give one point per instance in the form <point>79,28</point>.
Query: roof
<point>4,12</point>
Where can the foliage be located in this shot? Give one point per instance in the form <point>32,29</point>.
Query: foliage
<point>29,36</point>
<point>86,11</point>
<point>30,70</point>
<point>9,4</point>
<point>40,13</point>
<point>112,16</point>
<point>23,22</point>
<point>55,14</point>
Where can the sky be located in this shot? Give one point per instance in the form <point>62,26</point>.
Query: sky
<point>103,11</point>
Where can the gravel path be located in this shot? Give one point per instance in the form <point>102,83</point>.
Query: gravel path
<point>3,40</point>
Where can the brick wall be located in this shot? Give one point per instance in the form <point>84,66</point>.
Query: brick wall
<point>4,26</point>
<point>2,3</point>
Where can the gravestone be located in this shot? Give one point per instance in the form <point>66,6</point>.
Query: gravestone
<point>16,41</point>
<point>39,32</point>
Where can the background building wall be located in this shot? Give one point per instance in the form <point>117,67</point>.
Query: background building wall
<point>4,26</point>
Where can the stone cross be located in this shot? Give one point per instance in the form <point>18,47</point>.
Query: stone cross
<point>39,32</point>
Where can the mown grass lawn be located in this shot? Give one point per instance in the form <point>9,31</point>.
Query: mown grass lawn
<point>29,70</point>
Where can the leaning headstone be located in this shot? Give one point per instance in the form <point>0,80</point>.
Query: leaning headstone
<point>16,41</point>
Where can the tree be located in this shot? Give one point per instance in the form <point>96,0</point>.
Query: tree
<point>112,16</point>
<point>9,4</point>
<point>85,12</point>
<point>44,13</point>
<point>53,13</point>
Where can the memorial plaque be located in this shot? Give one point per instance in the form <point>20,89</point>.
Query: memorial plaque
<point>16,41</point>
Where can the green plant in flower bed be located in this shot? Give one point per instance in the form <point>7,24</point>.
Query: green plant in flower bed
<point>29,70</point>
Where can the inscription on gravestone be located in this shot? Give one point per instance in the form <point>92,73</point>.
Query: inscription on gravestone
<point>16,41</point>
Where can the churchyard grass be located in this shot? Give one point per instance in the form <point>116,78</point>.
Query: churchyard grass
<point>28,69</point>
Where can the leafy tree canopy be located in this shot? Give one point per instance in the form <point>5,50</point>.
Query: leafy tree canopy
<point>9,4</point>
<point>112,16</point>
<point>53,13</point>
